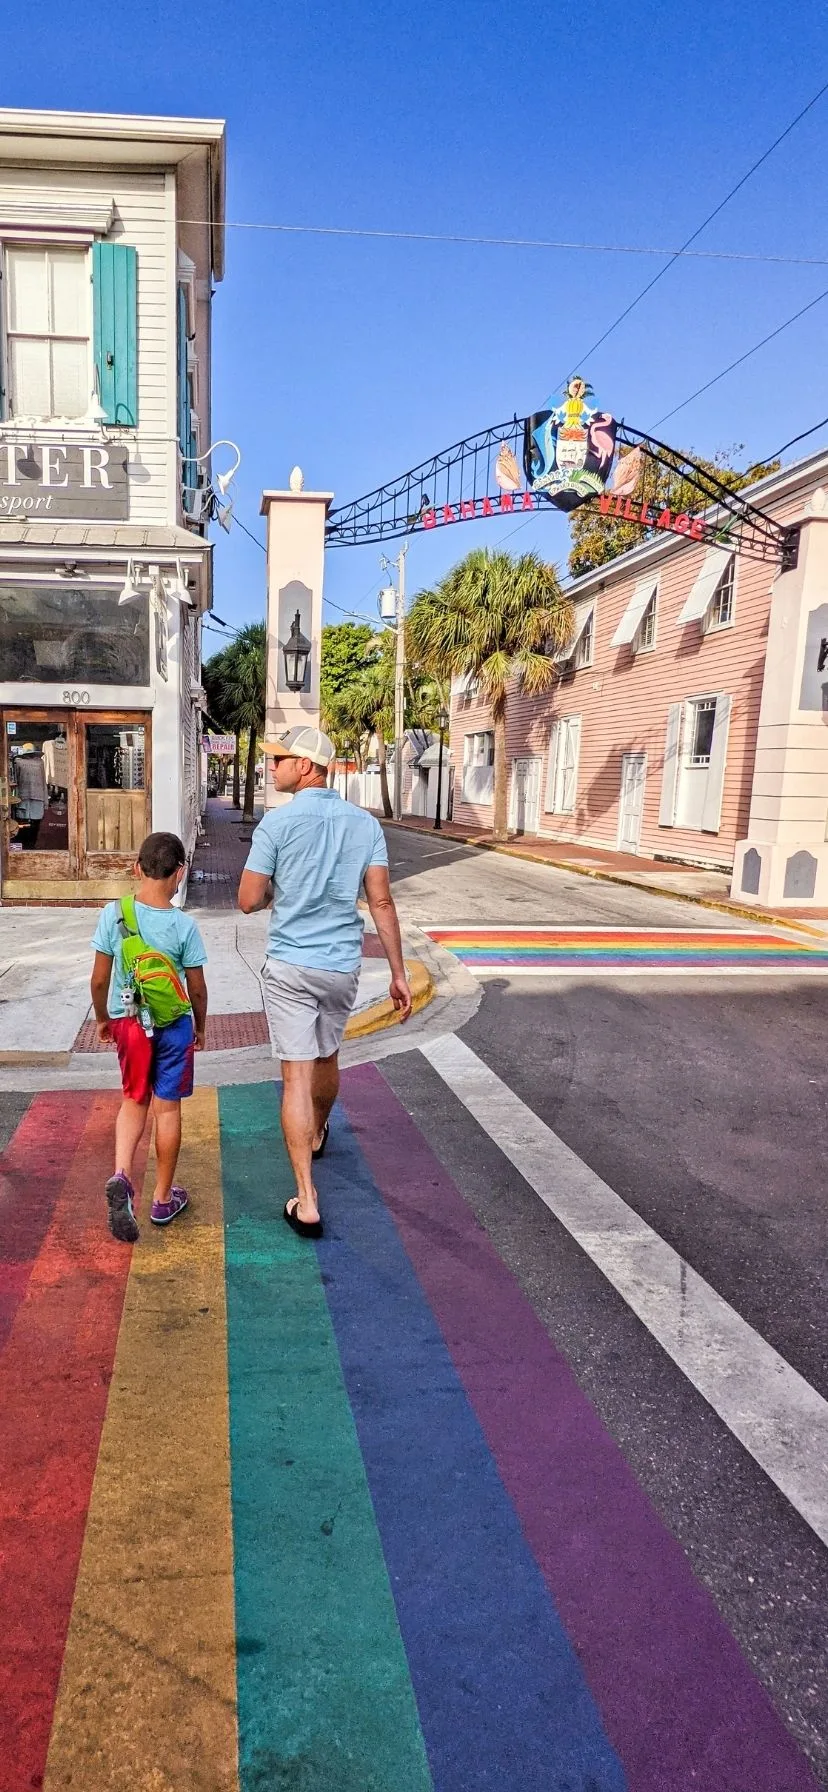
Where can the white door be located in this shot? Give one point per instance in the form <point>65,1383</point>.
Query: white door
<point>633,775</point>
<point>525,795</point>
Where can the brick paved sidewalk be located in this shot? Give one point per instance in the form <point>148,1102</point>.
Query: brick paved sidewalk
<point>220,856</point>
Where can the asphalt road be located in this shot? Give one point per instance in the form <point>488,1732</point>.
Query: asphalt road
<point>702,1103</point>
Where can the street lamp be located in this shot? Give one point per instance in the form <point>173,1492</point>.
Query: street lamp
<point>297,653</point>
<point>443,722</point>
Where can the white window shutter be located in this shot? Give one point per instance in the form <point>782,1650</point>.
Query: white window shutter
<point>572,746</point>
<point>669,779</point>
<point>554,734</point>
<point>712,811</point>
<point>698,602</point>
<point>629,625</point>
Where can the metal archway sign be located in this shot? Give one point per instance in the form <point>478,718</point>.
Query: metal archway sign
<point>562,457</point>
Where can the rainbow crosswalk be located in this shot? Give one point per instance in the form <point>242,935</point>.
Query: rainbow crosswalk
<point>334,1518</point>
<point>627,951</point>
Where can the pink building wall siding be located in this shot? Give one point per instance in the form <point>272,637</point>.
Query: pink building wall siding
<point>623,699</point>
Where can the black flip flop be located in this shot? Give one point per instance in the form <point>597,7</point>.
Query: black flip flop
<point>321,1147</point>
<point>302,1228</point>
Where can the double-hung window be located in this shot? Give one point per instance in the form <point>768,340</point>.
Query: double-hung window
<point>478,762</point>
<point>644,640</point>
<point>720,610</point>
<point>47,329</point>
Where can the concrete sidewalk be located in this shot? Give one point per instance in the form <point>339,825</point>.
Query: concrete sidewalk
<point>46,959</point>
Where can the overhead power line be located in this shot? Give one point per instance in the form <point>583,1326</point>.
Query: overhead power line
<point>740,359</point>
<point>628,309</point>
<point>778,452</point>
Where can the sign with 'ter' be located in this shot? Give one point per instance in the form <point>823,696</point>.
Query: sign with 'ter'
<point>87,480</point>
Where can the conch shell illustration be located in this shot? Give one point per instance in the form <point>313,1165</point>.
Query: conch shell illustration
<point>507,471</point>
<point>627,473</point>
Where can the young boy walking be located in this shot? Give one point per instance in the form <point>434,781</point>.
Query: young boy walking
<point>156,1059</point>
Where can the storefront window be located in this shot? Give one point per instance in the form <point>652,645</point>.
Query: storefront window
<point>38,761</point>
<point>50,633</point>
<point>116,807</point>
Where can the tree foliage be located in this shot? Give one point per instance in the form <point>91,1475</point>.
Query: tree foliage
<point>597,539</point>
<point>236,682</point>
<point>495,616</point>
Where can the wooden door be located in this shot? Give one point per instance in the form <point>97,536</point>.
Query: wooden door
<point>633,773</point>
<point>113,794</point>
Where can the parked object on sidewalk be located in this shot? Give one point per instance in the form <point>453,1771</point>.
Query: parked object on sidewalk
<point>309,859</point>
<point>139,963</point>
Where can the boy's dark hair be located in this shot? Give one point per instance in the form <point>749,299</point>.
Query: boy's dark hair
<point>160,856</point>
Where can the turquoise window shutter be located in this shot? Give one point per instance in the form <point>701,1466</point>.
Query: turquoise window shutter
<point>115,309</point>
<point>185,434</point>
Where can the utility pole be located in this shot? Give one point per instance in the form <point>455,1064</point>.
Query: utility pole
<point>399,670</point>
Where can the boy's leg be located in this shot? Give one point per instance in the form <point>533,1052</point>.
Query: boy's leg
<point>129,1126</point>
<point>167,1146</point>
<point>135,1059</point>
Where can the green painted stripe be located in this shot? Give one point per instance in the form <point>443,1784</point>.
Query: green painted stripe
<point>325,1697</point>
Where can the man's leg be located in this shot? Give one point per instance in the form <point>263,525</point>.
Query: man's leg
<point>324,1090</point>
<point>299,1128</point>
<point>167,1145</point>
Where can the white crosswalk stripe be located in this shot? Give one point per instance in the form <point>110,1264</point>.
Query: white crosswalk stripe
<point>773,1411</point>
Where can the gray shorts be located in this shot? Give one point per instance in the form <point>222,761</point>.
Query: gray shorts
<point>307,1010</point>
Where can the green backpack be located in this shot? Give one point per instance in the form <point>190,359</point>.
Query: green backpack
<point>157,985</point>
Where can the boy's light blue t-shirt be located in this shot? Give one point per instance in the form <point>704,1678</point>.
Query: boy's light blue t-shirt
<point>317,850</point>
<point>168,929</point>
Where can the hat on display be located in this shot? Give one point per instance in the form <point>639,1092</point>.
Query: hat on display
<point>302,743</point>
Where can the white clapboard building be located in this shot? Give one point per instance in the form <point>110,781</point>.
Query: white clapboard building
<point>111,243</point>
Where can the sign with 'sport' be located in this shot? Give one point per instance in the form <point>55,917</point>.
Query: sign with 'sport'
<point>45,480</point>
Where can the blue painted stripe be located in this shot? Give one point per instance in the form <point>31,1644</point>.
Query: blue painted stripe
<point>502,1699</point>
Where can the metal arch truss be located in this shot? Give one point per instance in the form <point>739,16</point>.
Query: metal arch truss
<point>459,485</point>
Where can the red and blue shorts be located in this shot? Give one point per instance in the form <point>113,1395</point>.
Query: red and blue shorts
<point>160,1064</point>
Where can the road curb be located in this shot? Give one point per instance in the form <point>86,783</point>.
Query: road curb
<point>766,918</point>
<point>383,1014</point>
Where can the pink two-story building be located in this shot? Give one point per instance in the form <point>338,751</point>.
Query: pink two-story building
<point>690,717</point>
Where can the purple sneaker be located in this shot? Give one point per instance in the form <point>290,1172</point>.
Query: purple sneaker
<point>161,1212</point>
<point>120,1195</point>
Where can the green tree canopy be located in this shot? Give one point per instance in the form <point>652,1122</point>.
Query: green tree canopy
<point>495,616</point>
<point>240,682</point>
<point>597,539</point>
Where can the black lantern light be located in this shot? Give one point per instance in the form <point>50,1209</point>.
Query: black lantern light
<point>297,653</point>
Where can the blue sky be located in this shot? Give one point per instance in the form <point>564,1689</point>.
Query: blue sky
<point>357,358</point>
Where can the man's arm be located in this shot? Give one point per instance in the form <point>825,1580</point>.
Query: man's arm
<point>99,990</point>
<point>384,917</point>
<point>255,892</point>
<point>197,992</point>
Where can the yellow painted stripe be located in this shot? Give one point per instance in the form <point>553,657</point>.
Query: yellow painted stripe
<point>147,1696</point>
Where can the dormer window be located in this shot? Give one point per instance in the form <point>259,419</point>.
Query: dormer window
<point>47,332</point>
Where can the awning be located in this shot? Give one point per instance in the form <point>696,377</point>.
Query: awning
<point>565,653</point>
<point>631,620</point>
<point>431,756</point>
<point>129,538</point>
<point>715,562</point>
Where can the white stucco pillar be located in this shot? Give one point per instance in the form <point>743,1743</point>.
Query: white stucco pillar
<point>784,860</point>
<point>295,563</point>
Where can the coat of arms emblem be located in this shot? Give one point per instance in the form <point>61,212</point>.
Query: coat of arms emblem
<point>568,448</point>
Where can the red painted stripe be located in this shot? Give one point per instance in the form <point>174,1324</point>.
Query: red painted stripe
<point>32,1171</point>
<point>54,1381</point>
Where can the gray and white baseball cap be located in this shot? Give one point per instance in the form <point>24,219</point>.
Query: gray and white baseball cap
<point>302,743</point>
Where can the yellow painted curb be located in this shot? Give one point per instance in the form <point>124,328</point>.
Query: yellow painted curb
<point>383,1014</point>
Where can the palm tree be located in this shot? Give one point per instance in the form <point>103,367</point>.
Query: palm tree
<point>498,617</point>
<point>243,684</point>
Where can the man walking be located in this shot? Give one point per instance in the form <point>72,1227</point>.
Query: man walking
<point>310,858</point>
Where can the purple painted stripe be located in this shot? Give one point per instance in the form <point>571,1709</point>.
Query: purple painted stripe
<point>679,1702</point>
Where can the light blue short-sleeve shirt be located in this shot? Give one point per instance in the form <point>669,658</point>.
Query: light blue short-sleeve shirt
<point>168,929</point>
<point>317,849</point>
